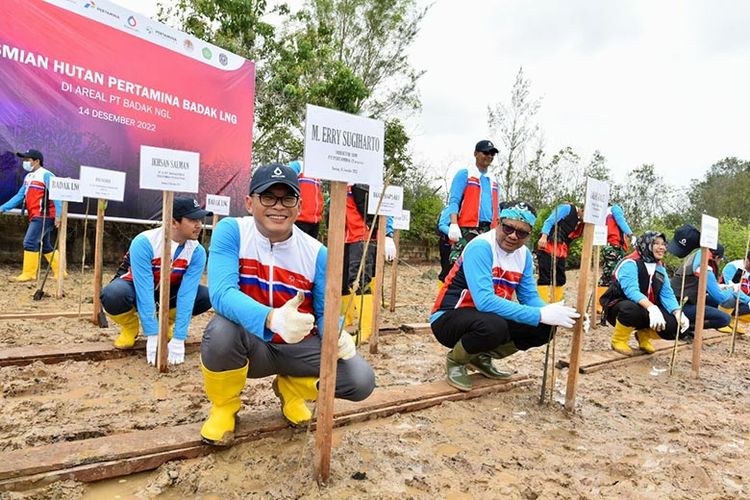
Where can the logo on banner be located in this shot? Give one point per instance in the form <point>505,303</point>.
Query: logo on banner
<point>89,5</point>
<point>223,59</point>
<point>188,45</point>
<point>207,53</point>
<point>132,22</point>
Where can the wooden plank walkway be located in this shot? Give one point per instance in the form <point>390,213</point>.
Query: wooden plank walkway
<point>122,454</point>
<point>592,361</point>
<point>85,314</point>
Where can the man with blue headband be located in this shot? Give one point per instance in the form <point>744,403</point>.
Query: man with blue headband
<point>474,314</point>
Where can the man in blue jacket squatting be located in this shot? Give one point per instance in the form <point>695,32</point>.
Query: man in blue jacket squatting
<point>267,280</point>
<point>474,314</point>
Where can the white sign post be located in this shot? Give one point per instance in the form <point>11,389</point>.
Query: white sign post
<point>104,185</point>
<point>709,240</point>
<point>63,189</point>
<point>594,213</point>
<point>709,232</point>
<point>400,222</point>
<point>167,170</point>
<point>342,148</point>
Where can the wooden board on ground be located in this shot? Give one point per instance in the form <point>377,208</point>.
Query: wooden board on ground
<point>592,361</point>
<point>86,314</point>
<point>89,351</point>
<point>121,454</point>
<point>416,328</point>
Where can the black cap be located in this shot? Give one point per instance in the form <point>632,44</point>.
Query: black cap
<point>33,154</point>
<point>188,207</point>
<point>719,252</point>
<point>268,175</point>
<point>686,239</point>
<point>485,146</point>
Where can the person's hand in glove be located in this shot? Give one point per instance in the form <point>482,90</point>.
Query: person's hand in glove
<point>347,349</point>
<point>176,352</point>
<point>683,320</point>
<point>390,249</point>
<point>151,342</point>
<point>633,239</point>
<point>586,323</point>
<point>558,314</point>
<point>290,324</point>
<point>655,318</point>
<point>454,233</point>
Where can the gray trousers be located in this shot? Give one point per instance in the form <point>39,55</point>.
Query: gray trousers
<point>228,346</point>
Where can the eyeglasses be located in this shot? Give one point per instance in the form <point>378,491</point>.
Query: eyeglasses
<point>508,230</point>
<point>270,200</point>
<point>487,153</point>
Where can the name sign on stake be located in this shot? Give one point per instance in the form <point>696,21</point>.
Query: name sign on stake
<point>709,231</point>
<point>600,236</point>
<point>597,197</point>
<point>102,184</point>
<point>169,169</point>
<point>217,204</point>
<point>343,147</point>
<point>393,200</point>
<point>65,189</point>
<point>401,222</point>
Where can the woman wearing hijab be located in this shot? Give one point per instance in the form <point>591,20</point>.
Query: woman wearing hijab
<point>641,298</point>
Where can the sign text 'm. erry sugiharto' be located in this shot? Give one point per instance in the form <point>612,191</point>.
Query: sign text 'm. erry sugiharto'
<point>348,138</point>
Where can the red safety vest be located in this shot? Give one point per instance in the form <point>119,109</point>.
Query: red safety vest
<point>356,226</point>
<point>311,200</point>
<point>35,190</point>
<point>614,233</point>
<point>468,212</point>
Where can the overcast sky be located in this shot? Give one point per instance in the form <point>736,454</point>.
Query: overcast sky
<point>660,82</point>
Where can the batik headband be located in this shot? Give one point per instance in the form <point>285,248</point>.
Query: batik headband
<point>519,211</point>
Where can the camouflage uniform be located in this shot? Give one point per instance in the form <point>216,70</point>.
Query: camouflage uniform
<point>611,255</point>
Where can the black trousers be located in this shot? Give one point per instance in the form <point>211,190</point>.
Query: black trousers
<point>631,314</point>
<point>483,331</point>
<point>353,253</point>
<point>544,261</point>
<point>311,228</point>
<point>444,247</point>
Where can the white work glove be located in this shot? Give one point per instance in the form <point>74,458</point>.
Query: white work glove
<point>734,287</point>
<point>176,354</point>
<point>347,349</point>
<point>290,324</point>
<point>683,320</point>
<point>656,318</point>
<point>454,232</point>
<point>390,249</point>
<point>586,323</point>
<point>151,342</point>
<point>558,314</point>
<point>633,239</point>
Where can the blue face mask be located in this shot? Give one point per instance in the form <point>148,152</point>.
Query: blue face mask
<point>27,166</point>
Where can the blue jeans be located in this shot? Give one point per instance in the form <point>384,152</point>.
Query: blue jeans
<point>34,234</point>
<point>713,318</point>
<point>119,297</point>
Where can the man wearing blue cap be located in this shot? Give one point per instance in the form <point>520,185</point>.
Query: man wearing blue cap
<point>130,298</point>
<point>474,314</point>
<point>267,281</point>
<point>44,214</point>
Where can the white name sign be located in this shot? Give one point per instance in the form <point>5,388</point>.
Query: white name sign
<point>102,184</point>
<point>169,170</point>
<point>65,189</point>
<point>597,197</point>
<point>218,204</point>
<point>401,222</point>
<point>709,231</point>
<point>343,147</point>
<point>393,200</point>
<point>600,235</point>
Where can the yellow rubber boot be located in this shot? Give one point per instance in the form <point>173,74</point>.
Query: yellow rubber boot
<point>729,327</point>
<point>645,336</point>
<point>223,390</point>
<point>543,292</point>
<point>172,318</point>
<point>599,292</point>
<point>620,339</point>
<point>440,286</point>
<point>293,392</point>
<point>559,293</point>
<point>30,267</point>
<point>130,325</point>
<point>54,260</point>
<point>363,305</point>
<point>347,312</point>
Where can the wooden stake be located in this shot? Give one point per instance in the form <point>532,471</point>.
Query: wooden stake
<point>214,221</point>
<point>394,271</point>
<point>700,313</point>
<point>164,282</point>
<point>98,258</point>
<point>377,293</point>
<point>577,343</point>
<point>62,249</point>
<point>595,285</point>
<point>329,344</point>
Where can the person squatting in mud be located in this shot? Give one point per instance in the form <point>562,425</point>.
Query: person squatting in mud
<point>474,315</point>
<point>266,279</point>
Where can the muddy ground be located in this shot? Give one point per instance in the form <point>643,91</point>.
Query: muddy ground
<point>636,433</point>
